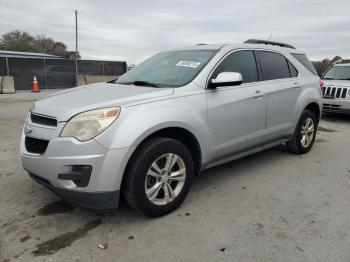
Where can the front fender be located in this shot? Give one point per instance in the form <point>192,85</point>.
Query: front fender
<point>138,122</point>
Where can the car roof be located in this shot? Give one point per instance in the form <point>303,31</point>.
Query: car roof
<point>239,46</point>
<point>348,64</point>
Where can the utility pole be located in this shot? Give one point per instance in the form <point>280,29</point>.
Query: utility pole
<point>76,48</point>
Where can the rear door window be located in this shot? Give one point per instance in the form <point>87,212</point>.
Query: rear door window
<point>305,62</point>
<point>273,65</point>
<point>241,62</point>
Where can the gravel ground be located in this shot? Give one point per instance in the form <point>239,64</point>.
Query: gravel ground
<point>272,206</point>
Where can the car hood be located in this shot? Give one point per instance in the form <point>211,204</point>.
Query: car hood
<point>345,83</point>
<point>63,105</point>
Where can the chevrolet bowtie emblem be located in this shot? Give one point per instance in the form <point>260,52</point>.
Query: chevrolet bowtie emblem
<point>27,129</point>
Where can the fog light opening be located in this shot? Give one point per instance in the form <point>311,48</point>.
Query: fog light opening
<point>78,174</point>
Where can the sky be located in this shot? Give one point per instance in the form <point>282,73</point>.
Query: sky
<point>135,30</point>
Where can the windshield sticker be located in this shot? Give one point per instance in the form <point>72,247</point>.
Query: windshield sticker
<point>188,64</point>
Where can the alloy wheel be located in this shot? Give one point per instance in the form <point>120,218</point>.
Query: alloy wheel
<point>165,179</point>
<point>307,132</point>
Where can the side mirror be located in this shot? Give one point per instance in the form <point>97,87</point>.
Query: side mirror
<point>226,79</point>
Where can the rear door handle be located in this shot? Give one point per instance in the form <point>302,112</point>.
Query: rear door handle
<point>258,94</point>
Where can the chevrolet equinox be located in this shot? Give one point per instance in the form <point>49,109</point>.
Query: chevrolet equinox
<point>145,135</point>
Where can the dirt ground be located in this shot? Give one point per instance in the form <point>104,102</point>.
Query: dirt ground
<point>272,206</point>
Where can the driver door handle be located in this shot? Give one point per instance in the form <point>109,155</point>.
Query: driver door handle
<point>258,94</point>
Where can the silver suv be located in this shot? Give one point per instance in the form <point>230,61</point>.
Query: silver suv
<point>336,90</point>
<point>148,133</point>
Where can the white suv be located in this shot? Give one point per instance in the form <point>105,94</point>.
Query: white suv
<point>336,89</point>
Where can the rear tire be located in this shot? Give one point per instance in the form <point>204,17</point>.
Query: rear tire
<point>158,176</point>
<point>304,134</point>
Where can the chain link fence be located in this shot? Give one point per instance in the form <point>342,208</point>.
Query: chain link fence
<point>55,73</point>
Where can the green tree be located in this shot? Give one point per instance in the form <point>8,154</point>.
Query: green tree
<point>71,55</point>
<point>45,44</point>
<point>345,61</point>
<point>18,41</point>
<point>336,59</point>
<point>59,48</point>
<point>24,42</point>
<point>322,66</point>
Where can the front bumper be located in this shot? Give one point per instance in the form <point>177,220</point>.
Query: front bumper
<point>102,189</point>
<point>336,106</point>
<point>88,200</point>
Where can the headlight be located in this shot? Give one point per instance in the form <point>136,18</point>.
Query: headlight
<point>87,125</point>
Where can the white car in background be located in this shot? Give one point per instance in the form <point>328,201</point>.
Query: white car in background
<point>336,89</point>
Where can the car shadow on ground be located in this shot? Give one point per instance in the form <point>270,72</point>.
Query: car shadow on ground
<point>211,177</point>
<point>333,117</point>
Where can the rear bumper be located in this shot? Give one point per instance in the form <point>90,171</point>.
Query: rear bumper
<point>88,200</point>
<point>336,106</point>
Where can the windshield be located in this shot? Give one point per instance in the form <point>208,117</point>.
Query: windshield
<point>174,69</point>
<point>338,73</point>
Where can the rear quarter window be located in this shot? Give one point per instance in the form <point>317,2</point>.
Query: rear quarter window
<point>305,62</point>
<point>293,70</point>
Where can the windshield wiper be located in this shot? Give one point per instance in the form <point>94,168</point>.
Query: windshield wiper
<point>143,83</point>
<point>136,83</point>
<point>344,78</point>
<point>113,81</point>
<point>328,78</point>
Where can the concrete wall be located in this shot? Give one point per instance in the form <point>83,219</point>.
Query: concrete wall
<point>7,85</point>
<point>91,79</point>
<point>81,80</point>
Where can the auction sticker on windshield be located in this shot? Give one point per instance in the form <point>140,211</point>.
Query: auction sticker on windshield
<point>188,64</point>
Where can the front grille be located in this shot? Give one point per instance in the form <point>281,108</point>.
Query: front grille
<point>35,145</point>
<point>335,92</point>
<point>43,120</point>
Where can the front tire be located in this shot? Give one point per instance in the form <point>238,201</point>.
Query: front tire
<point>158,176</point>
<point>304,134</point>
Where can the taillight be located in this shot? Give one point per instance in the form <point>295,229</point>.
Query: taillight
<point>321,84</point>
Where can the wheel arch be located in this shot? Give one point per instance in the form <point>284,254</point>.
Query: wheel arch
<point>310,98</point>
<point>315,108</point>
<point>178,133</point>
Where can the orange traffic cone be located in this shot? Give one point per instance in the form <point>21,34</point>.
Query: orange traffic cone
<point>35,86</point>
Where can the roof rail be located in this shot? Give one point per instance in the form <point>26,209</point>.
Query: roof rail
<point>267,42</point>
